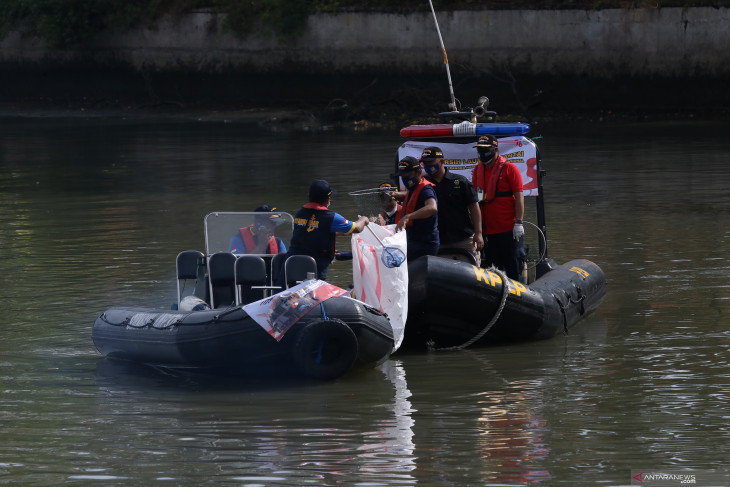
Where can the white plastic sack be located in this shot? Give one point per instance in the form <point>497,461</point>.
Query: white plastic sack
<point>381,287</point>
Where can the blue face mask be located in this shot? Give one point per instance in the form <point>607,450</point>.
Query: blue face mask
<point>431,169</point>
<point>410,182</point>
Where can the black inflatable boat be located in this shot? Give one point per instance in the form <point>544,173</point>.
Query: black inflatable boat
<point>230,322</point>
<point>325,343</point>
<point>455,303</point>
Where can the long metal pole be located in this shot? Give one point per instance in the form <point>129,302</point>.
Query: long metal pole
<point>446,59</point>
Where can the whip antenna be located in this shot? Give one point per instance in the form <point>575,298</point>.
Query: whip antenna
<point>446,59</point>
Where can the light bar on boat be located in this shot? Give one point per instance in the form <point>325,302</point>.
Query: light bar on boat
<point>465,129</point>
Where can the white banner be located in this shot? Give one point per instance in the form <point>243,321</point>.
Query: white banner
<point>279,312</point>
<point>462,158</point>
<point>381,287</point>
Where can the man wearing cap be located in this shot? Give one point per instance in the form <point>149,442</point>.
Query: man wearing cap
<point>499,188</point>
<point>419,214</point>
<point>391,208</point>
<point>460,220</point>
<point>316,227</point>
<point>258,238</point>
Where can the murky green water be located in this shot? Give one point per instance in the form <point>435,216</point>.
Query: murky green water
<point>94,211</point>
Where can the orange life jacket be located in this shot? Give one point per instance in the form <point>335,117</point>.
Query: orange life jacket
<point>250,243</point>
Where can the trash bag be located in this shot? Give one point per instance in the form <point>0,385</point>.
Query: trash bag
<point>383,288</point>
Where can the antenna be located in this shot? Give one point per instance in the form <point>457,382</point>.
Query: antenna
<point>452,105</point>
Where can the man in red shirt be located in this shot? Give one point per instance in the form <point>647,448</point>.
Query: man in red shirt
<point>499,189</point>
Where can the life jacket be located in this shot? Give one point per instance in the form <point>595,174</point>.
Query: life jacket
<point>488,189</point>
<point>250,242</point>
<point>312,235</point>
<point>409,206</point>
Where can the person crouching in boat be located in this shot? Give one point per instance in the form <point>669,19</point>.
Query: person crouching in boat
<point>316,227</point>
<point>499,188</point>
<point>391,208</point>
<point>419,214</point>
<point>258,238</point>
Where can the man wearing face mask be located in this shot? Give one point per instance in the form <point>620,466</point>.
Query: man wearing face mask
<point>460,220</point>
<point>316,227</point>
<point>419,214</point>
<point>499,188</point>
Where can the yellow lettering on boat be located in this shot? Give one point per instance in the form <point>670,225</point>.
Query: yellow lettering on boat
<point>493,279</point>
<point>518,288</point>
<point>580,272</point>
<point>479,274</point>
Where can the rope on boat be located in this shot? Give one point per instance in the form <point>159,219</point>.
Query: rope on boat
<point>564,307</point>
<point>497,314</point>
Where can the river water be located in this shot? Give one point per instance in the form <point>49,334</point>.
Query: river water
<point>94,210</point>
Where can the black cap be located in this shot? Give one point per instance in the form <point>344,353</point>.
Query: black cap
<point>275,218</point>
<point>320,190</point>
<point>408,164</point>
<point>487,142</point>
<point>431,154</point>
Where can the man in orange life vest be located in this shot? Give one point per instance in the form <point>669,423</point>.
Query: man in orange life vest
<point>499,189</point>
<point>419,215</point>
<point>258,238</point>
<point>316,227</point>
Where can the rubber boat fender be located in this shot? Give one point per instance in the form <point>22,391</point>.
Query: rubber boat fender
<point>325,348</point>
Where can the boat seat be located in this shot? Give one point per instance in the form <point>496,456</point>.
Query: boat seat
<point>297,267</point>
<point>221,276</point>
<point>188,264</point>
<point>457,254</point>
<point>277,264</point>
<point>250,278</point>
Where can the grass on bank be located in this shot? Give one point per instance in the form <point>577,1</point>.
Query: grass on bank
<point>71,23</point>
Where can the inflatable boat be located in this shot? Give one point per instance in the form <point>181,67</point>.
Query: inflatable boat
<point>235,321</point>
<point>324,344</point>
<point>453,302</point>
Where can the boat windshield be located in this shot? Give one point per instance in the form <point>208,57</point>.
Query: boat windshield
<point>228,231</point>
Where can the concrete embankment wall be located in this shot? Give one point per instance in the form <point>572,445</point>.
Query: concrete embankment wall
<point>523,52</point>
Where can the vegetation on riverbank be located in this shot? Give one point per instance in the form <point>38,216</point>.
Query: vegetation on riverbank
<point>71,23</point>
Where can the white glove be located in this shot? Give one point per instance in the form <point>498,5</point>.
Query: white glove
<point>519,230</point>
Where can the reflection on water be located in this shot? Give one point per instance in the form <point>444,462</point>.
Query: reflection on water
<point>93,213</point>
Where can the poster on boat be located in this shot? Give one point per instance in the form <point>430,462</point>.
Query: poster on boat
<point>276,314</point>
<point>462,158</point>
<point>377,285</point>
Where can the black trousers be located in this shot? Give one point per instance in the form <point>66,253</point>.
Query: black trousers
<point>501,251</point>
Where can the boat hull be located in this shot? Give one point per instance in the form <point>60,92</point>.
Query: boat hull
<point>352,335</point>
<point>451,302</point>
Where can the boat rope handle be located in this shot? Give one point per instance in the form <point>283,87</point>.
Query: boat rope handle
<point>497,314</point>
<point>324,315</point>
<point>541,234</point>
